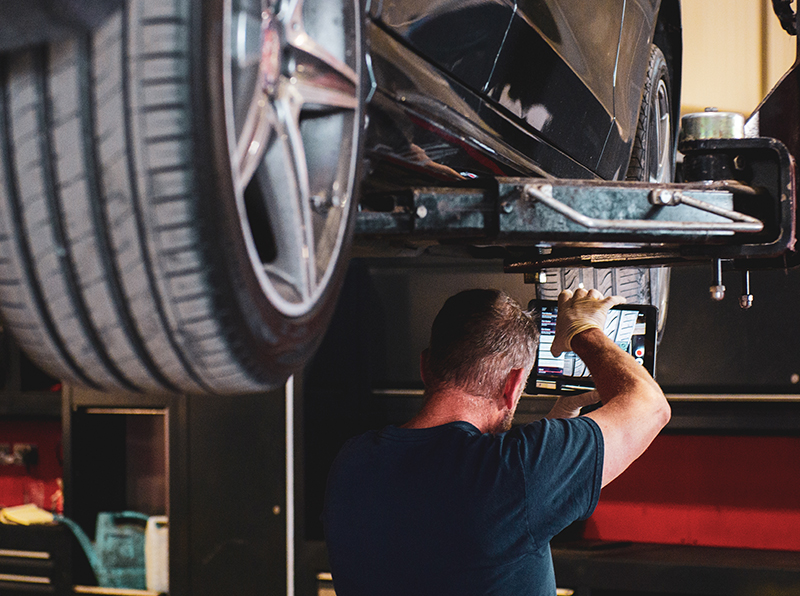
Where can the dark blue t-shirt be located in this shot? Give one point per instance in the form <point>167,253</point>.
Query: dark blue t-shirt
<point>448,510</point>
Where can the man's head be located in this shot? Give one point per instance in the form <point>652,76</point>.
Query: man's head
<point>478,337</point>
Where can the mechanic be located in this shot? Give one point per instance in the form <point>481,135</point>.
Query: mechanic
<point>457,502</point>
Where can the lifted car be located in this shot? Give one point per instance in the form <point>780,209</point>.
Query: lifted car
<point>180,181</point>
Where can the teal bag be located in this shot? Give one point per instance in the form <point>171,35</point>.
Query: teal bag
<point>117,556</point>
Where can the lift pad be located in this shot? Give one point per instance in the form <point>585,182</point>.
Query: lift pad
<point>548,222</point>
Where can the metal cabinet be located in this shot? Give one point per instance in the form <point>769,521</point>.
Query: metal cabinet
<point>214,465</point>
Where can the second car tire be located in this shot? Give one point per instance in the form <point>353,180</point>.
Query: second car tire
<point>652,160</point>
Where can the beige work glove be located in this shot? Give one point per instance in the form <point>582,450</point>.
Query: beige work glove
<point>578,312</point>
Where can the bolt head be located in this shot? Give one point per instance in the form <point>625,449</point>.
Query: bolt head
<point>422,211</point>
<point>717,293</point>
<point>661,197</point>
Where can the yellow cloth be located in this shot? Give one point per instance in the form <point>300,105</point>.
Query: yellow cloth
<point>25,515</point>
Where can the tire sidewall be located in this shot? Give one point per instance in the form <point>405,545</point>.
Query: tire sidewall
<point>657,70</point>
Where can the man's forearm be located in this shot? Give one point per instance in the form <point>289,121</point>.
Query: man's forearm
<point>614,371</point>
<point>634,408</point>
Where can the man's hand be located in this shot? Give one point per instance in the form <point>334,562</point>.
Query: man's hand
<point>569,405</point>
<point>578,312</point>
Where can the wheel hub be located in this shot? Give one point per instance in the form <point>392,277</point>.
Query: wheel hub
<point>270,53</point>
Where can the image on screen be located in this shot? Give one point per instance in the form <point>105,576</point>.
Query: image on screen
<point>626,328</point>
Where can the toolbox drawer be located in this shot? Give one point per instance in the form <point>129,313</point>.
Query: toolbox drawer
<point>42,559</point>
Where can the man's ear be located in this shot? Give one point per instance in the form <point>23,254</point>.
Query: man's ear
<point>423,366</point>
<point>515,383</point>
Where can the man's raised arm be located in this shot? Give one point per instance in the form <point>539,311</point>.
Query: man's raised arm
<point>634,408</point>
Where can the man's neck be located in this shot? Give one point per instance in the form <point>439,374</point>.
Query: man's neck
<point>453,405</point>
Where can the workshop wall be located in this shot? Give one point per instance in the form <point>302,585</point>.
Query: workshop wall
<point>732,488</point>
<point>707,348</point>
<point>734,52</point>
<point>36,480</point>
<point>718,348</point>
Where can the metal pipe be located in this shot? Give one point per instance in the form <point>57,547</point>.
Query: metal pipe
<point>739,221</point>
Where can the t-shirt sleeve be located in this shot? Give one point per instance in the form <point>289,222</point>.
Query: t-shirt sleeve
<point>562,462</point>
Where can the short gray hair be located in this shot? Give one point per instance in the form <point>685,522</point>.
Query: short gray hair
<point>477,338</point>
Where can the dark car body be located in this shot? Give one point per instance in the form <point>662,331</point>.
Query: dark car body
<point>513,87</point>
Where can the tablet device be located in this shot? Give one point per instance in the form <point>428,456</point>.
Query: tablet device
<point>631,326</point>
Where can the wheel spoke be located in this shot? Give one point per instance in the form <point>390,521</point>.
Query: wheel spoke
<point>246,39</point>
<point>294,239</point>
<point>315,94</point>
<point>320,77</point>
<point>252,143</point>
<point>661,128</point>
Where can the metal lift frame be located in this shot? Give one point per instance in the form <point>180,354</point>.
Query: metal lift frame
<point>743,207</point>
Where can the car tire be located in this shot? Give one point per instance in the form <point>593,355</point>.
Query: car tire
<point>652,160</point>
<point>177,193</point>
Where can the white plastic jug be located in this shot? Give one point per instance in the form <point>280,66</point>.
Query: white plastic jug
<point>156,553</point>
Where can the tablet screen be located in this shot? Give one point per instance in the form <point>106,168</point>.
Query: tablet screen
<point>631,327</point>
